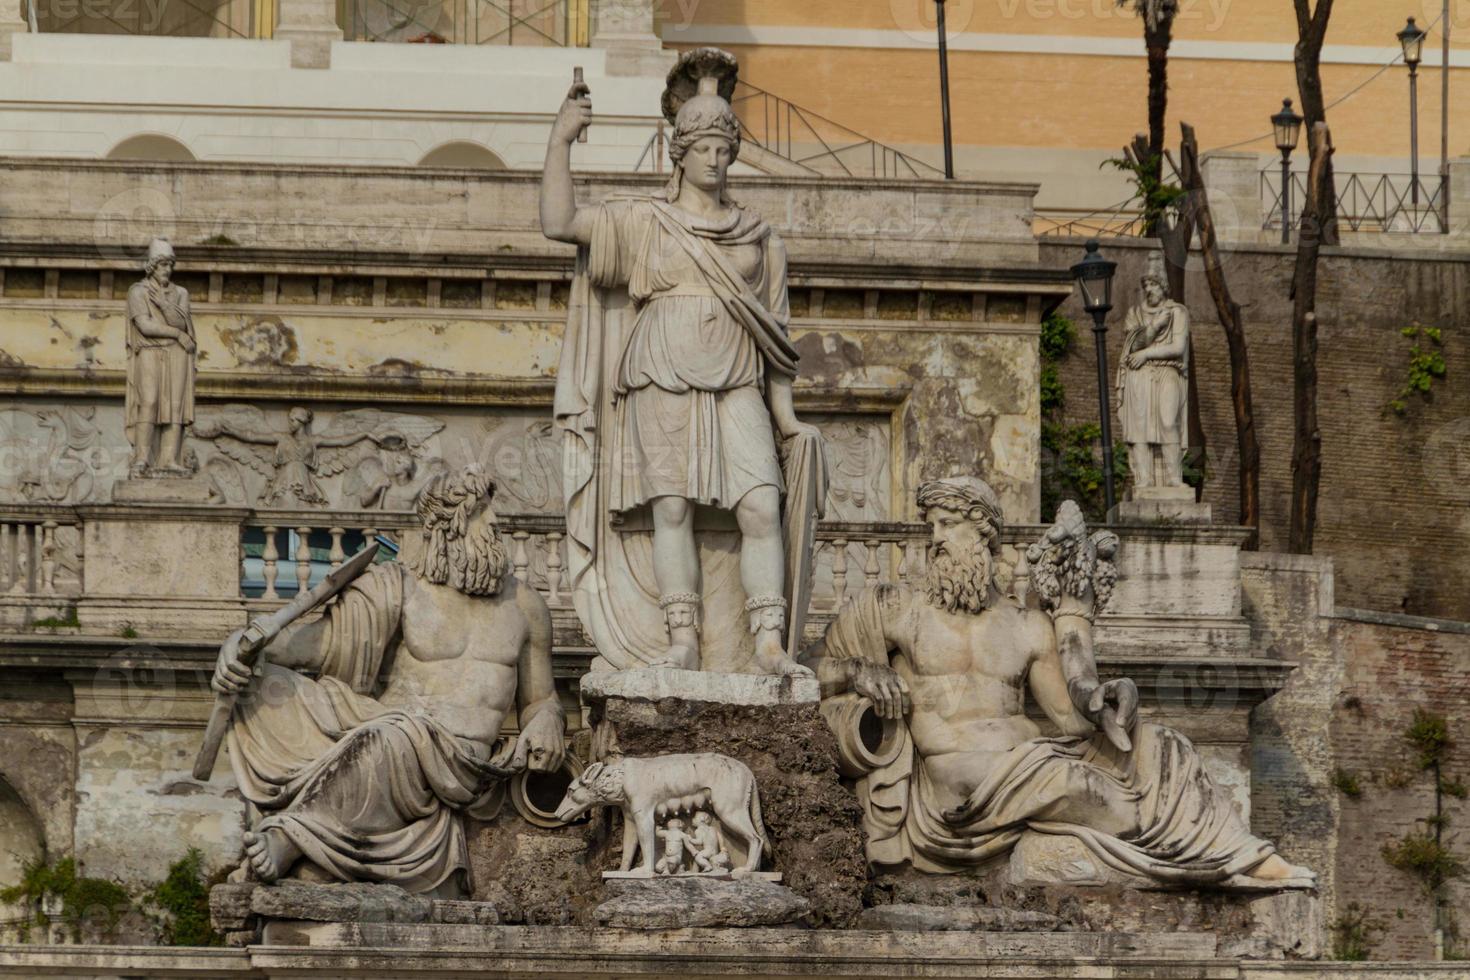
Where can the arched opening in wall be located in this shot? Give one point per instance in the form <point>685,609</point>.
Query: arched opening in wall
<point>462,155</point>
<point>22,842</point>
<point>151,146</point>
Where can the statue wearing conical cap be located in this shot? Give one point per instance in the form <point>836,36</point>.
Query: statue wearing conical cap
<point>674,394</point>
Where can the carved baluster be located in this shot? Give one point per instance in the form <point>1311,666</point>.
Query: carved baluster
<point>48,558</point>
<point>870,564</point>
<point>268,559</point>
<point>553,567</point>
<point>520,560</point>
<point>303,558</point>
<point>22,583</point>
<point>903,562</point>
<point>6,543</point>
<point>369,535</point>
<point>839,571</point>
<point>336,555</point>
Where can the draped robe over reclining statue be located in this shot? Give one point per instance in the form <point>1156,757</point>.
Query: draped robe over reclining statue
<point>950,664</point>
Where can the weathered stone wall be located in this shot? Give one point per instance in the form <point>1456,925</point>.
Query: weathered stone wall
<point>1342,718</point>
<point>1394,489</point>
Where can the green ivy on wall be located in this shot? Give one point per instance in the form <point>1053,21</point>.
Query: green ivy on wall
<point>1426,366</point>
<point>1071,454</point>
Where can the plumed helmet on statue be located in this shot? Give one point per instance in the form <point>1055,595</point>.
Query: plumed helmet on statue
<point>1155,272</point>
<point>697,103</point>
<point>158,250</point>
<point>971,496</point>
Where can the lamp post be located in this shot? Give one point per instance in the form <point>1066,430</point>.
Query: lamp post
<point>1287,126</point>
<point>1094,276</point>
<point>944,90</point>
<point>1444,120</point>
<point>1412,39</point>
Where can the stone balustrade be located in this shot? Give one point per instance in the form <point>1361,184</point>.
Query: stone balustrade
<point>40,553</point>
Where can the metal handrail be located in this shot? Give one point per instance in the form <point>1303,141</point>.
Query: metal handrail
<point>1124,220</point>
<point>459,22</point>
<point>818,143</point>
<point>1366,202</point>
<point>195,16</point>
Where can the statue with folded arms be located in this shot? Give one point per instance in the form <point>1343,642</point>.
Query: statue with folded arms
<point>364,772</point>
<point>162,354</point>
<point>952,661</point>
<point>674,397</point>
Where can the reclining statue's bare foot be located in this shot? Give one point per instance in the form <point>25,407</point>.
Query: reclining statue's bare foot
<point>1275,868</point>
<point>270,853</point>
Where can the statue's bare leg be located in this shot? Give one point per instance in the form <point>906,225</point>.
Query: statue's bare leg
<point>1173,464</point>
<point>676,568</point>
<point>141,434</point>
<point>169,443</point>
<point>270,852</point>
<point>763,575</point>
<point>1141,463</point>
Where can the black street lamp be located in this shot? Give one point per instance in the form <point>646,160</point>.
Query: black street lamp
<point>944,90</point>
<point>1094,276</point>
<point>1288,128</point>
<point>1412,39</point>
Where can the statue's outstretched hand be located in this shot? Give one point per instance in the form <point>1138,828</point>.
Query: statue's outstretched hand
<point>230,674</point>
<point>882,685</point>
<point>575,114</point>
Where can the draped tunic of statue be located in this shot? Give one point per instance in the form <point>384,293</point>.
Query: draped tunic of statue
<point>1155,396</point>
<point>675,324</point>
<point>160,382</point>
<point>1187,832</point>
<point>368,792</point>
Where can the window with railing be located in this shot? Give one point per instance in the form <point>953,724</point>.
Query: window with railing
<point>533,23</point>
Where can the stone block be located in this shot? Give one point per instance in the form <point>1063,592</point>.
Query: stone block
<point>699,687</point>
<point>1161,505</point>
<point>356,902</point>
<point>229,906</point>
<point>699,903</point>
<point>161,490</point>
<point>907,917</point>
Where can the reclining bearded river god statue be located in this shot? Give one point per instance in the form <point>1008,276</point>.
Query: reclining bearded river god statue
<point>674,386</point>
<point>947,666</point>
<point>364,773</point>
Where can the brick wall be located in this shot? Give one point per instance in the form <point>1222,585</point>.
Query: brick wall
<point>1394,489</point>
<point>1392,670</point>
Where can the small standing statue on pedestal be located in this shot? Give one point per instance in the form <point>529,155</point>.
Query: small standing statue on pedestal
<point>674,394</point>
<point>1153,384</point>
<point>161,363</point>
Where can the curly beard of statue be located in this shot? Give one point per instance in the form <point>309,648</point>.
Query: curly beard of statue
<point>959,583</point>
<point>476,562</point>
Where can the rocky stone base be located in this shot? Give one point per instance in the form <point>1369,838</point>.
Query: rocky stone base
<point>1269,926</point>
<point>698,903</point>
<point>241,911</point>
<point>812,820</point>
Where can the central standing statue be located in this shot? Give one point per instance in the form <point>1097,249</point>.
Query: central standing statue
<point>675,381</point>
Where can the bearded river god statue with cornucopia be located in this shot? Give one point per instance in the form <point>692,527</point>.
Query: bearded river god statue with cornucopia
<point>674,397</point>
